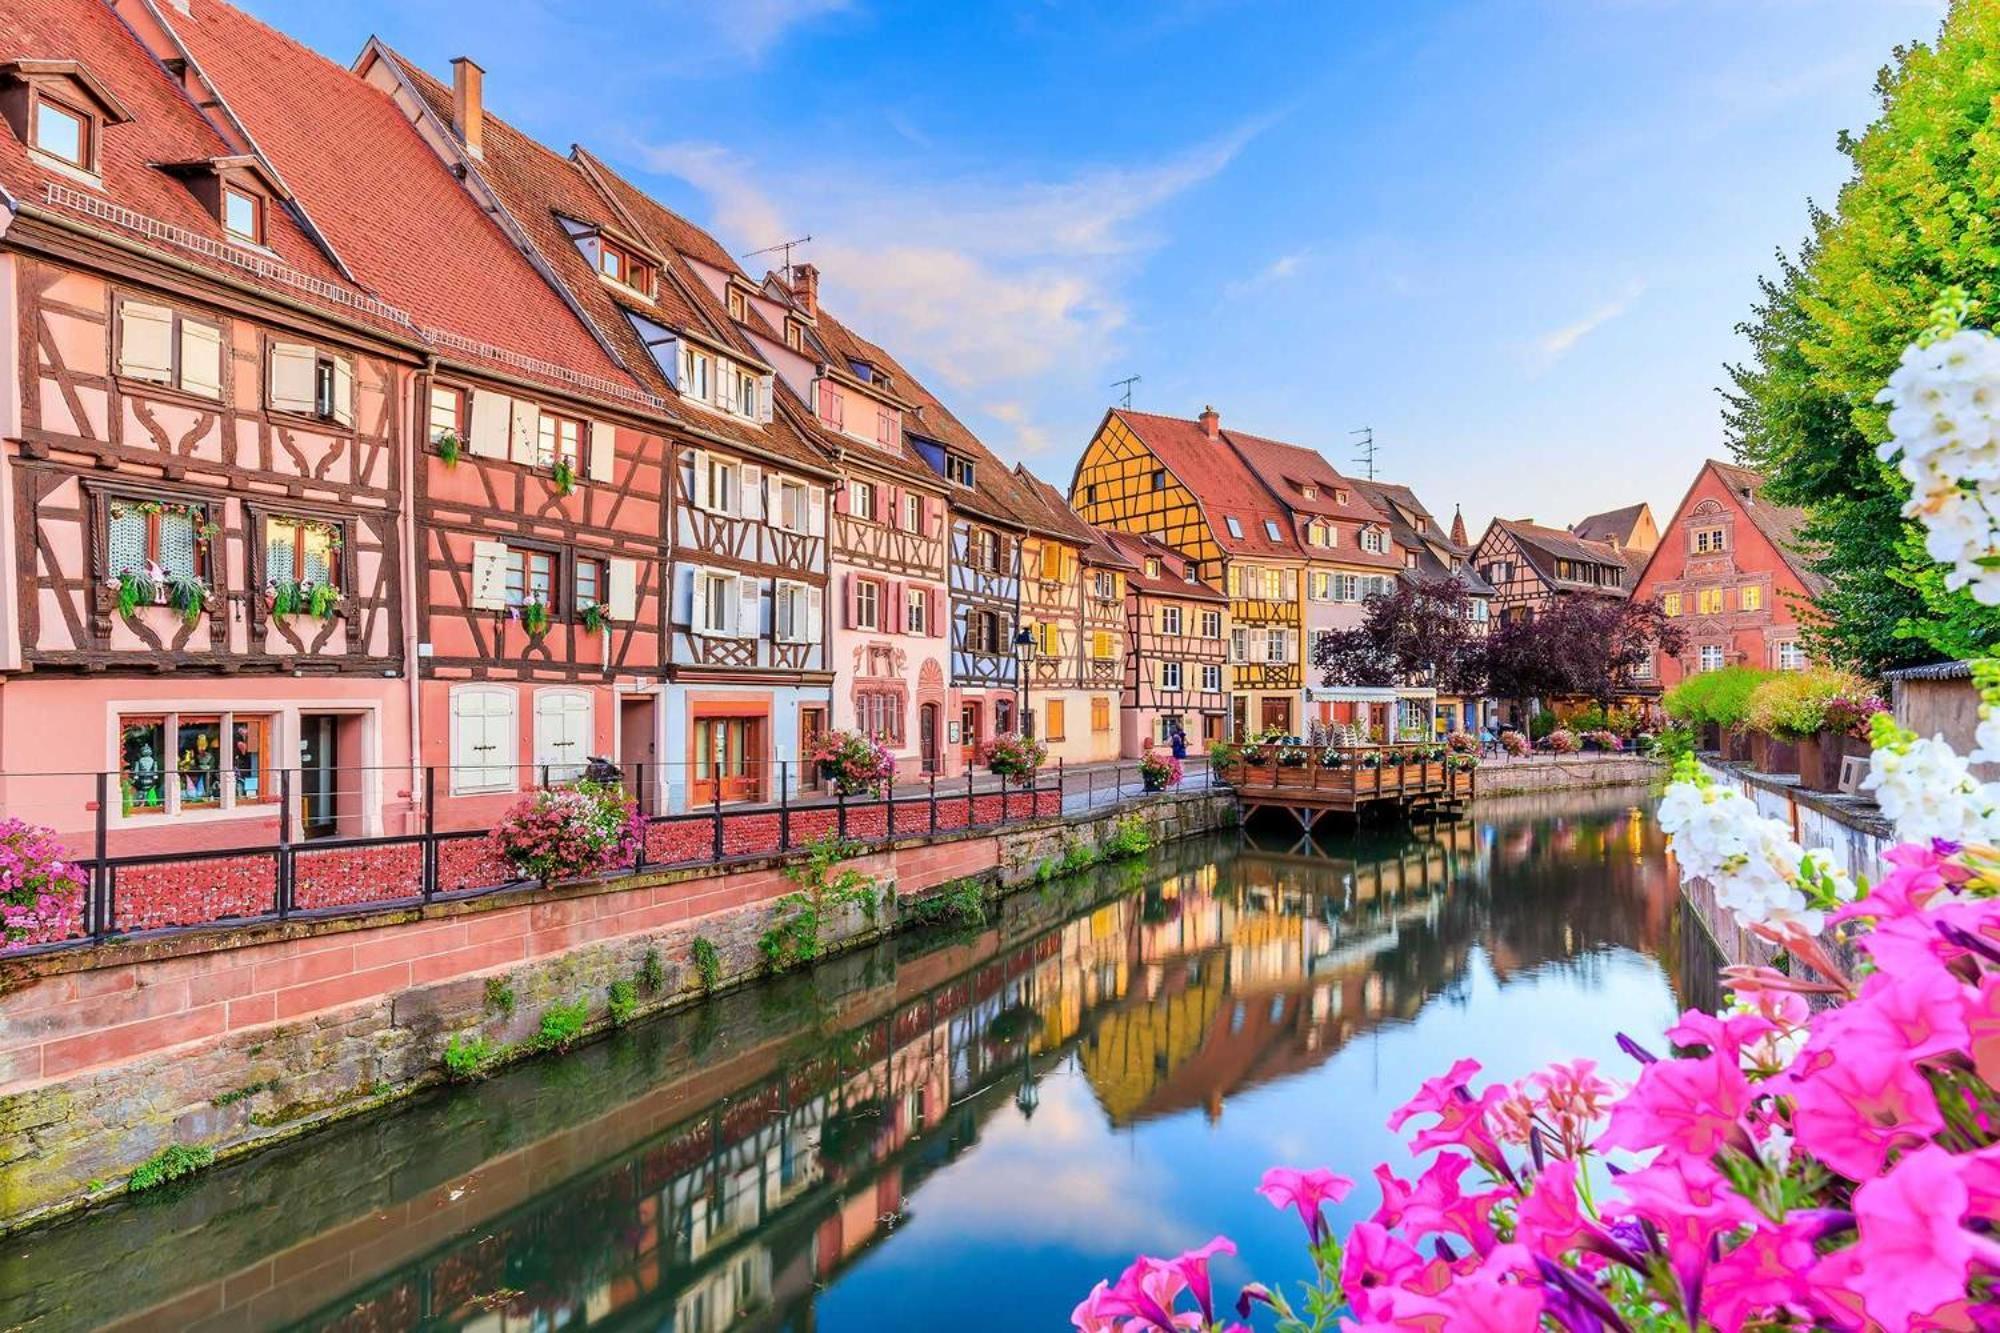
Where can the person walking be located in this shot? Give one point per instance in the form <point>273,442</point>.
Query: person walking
<point>1179,742</point>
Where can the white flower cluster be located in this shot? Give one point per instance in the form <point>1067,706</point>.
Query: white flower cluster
<point>1927,791</point>
<point>1944,421</point>
<point>1751,862</point>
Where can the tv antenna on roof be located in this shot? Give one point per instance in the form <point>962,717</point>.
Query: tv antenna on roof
<point>1367,455</point>
<point>786,246</point>
<point>1126,384</point>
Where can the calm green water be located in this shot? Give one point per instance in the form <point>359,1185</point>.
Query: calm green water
<point>961,1130</point>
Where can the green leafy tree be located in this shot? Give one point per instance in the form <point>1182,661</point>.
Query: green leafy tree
<point>1920,214</point>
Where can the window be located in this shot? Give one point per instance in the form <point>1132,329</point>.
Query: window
<point>1053,719</point>
<point>913,513</point>
<point>1152,566</point>
<point>916,610</point>
<point>1642,669</point>
<point>885,426</point>
<point>1480,611</point>
<point>1188,575</point>
<point>1707,540</point>
<point>795,335</point>
<point>304,379</point>
<point>1239,644</point>
<point>63,132</point>
<point>1409,559</point>
<point>1323,535</point>
<point>1271,530</point>
<point>1048,639</point>
<point>1003,716</point>
<point>1708,601</point>
<point>721,485</point>
<point>738,307</point>
<point>794,511</point>
<point>958,469</point>
<point>861,499</point>
<point>1105,585</point>
<point>1750,598</point>
<point>166,534</point>
<point>1671,603</point>
<point>243,214</point>
<point>1211,677</point>
<point>1053,559</point>
<point>867,604</point>
<point>1711,657</point>
<point>625,268</point>
<point>1100,714</point>
<point>1278,646</point>
<point>1309,490</point>
<point>174,762</point>
<point>1274,585</point>
<point>1103,645</point>
<point>879,714</point>
<point>531,577</point>
<point>591,583</point>
<point>1340,498</point>
<point>986,550</point>
<point>1374,539</point>
<point>791,613</point>
<point>715,594</point>
<point>301,550</point>
<point>1235,528</point>
<point>159,345</point>
<point>447,412</point>
<point>1791,656</point>
<point>1211,624</point>
<point>561,439</point>
<point>1159,480</point>
<point>1319,586</point>
<point>484,746</point>
<point>982,630</point>
<point>696,371</point>
<point>1170,675</point>
<point>1170,620</point>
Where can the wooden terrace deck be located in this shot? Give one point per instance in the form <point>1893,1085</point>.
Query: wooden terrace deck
<point>1311,790</point>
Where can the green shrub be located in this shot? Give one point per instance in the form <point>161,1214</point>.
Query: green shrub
<point>1792,704</point>
<point>1673,742</point>
<point>562,1024</point>
<point>1718,697</point>
<point>466,1057</point>
<point>653,971</point>
<point>1129,837</point>
<point>624,999</point>
<point>960,901</point>
<point>794,938</point>
<point>170,1163</point>
<point>1079,856</point>
<point>500,995</point>
<point>707,962</point>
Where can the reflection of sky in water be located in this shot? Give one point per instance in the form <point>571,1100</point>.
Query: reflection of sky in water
<point>1014,1232</point>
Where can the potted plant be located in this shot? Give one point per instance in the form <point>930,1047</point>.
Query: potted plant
<point>1714,702</point>
<point>450,447</point>
<point>1291,754</point>
<point>1462,742</point>
<point>1562,741</point>
<point>593,618</point>
<point>565,476</point>
<point>1014,756</point>
<point>533,613</point>
<point>1515,744</point>
<point>851,762</point>
<point>570,832</point>
<point>1792,706</point>
<point>1333,757</point>
<point>1157,772</point>
<point>41,889</point>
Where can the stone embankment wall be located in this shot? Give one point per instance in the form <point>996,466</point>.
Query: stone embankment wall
<point>1577,772</point>
<point>231,1040</point>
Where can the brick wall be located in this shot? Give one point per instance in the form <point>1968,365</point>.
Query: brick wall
<point>110,1055</point>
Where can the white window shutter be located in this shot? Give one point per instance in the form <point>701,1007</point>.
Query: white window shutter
<point>562,732</point>
<point>622,589</point>
<point>489,576</point>
<point>698,493</point>
<point>343,391</point>
<point>751,493</point>
<point>816,511</point>
<point>201,358</point>
<point>764,398</point>
<point>815,614</point>
<point>749,608</point>
<point>603,450</point>
<point>526,431</point>
<point>698,603</point>
<point>294,370</point>
<point>492,419</point>
<point>482,731</point>
<point>146,342</point>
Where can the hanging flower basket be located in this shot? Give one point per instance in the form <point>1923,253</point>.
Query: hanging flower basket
<point>1157,772</point>
<point>1014,756</point>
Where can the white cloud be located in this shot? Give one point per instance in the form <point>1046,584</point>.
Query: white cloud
<point>1030,437</point>
<point>986,283</point>
<point>1554,345</point>
<point>752,27</point>
<point>1279,271</point>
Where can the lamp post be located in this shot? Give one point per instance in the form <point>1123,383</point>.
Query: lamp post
<point>1024,654</point>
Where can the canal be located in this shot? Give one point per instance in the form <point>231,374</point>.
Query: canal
<point>962,1128</point>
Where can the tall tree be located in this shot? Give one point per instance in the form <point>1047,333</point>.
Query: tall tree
<point>1920,214</point>
<point>1419,633</point>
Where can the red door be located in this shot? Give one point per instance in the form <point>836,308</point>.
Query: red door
<point>729,753</point>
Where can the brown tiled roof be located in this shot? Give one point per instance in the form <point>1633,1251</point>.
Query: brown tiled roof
<point>1220,481</point>
<point>1436,552</point>
<point>1064,522</point>
<point>1173,581</point>
<point>1780,524</point>
<point>1544,546</point>
<point>1613,525</point>
<point>374,187</point>
<point>1288,469</point>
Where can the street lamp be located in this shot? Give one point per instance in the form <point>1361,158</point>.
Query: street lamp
<point>1024,653</point>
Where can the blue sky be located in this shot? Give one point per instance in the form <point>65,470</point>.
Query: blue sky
<point>1513,238</point>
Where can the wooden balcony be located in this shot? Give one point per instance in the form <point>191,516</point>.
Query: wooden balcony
<point>1364,776</point>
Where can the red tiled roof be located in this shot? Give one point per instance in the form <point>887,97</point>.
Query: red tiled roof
<point>377,191</point>
<point>1172,580</point>
<point>1544,546</point>
<point>1220,481</point>
<point>1781,525</point>
<point>1067,524</point>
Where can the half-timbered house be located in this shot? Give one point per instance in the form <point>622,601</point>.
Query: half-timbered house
<point>746,493</point>
<point>1176,637</point>
<point>1181,482</point>
<point>1073,605</point>
<point>201,481</point>
<point>1529,566</point>
<point>1433,555</point>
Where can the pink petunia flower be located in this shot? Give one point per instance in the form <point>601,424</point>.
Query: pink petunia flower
<point>1307,1191</point>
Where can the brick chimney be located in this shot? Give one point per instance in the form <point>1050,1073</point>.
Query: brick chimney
<point>468,104</point>
<point>805,289</point>
<point>1211,423</point>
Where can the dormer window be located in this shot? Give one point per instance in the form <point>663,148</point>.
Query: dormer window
<point>1152,566</point>
<point>739,308</point>
<point>1235,528</point>
<point>623,265</point>
<point>1340,497</point>
<point>64,133</point>
<point>1372,539</point>
<point>1309,491</point>
<point>243,214</point>
<point>795,335</point>
<point>59,110</point>
<point>958,468</point>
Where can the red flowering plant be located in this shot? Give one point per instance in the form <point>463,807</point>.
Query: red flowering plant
<point>1515,743</point>
<point>571,832</point>
<point>853,763</point>
<point>1462,742</point>
<point>1561,741</point>
<point>1852,714</point>
<point>1159,771</point>
<point>1014,756</point>
<point>1824,1153</point>
<point>41,889</point>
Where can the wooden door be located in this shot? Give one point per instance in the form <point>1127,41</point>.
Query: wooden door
<point>635,748</point>
<point>729,754</point>
<point>927,737</point>
<point>968,733</point>
<point>1277,713</point>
